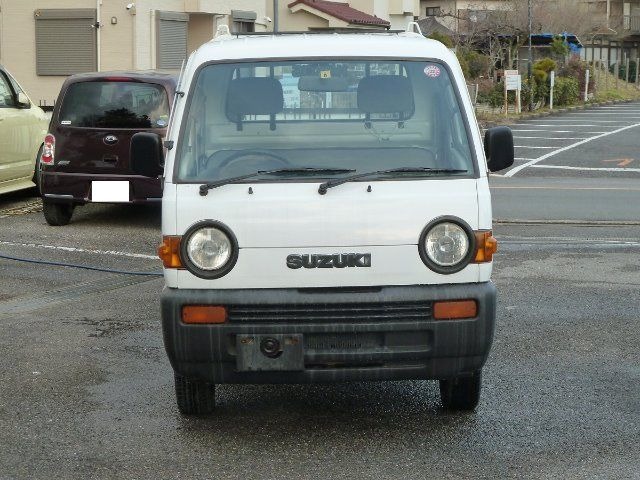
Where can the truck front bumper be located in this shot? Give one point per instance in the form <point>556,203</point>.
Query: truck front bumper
<point>341,334</point>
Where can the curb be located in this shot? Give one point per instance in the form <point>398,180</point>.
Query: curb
<point>591,223</point>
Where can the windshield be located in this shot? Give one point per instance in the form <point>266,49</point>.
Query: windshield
<point>115,105</point>
<point>363,116</point>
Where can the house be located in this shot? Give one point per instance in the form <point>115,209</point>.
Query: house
<point>302,15</point>
<point>44,41</point>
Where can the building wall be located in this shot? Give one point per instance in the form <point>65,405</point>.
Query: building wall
<point>201,29</point>
<point>129,43</point>
<point>18,44</point>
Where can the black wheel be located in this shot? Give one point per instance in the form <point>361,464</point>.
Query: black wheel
<point>461,393</point>
<point>36,172</point>
<point>194,397</point>
<point>57,214</point>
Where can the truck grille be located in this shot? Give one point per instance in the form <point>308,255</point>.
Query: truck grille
<point>330,312</point>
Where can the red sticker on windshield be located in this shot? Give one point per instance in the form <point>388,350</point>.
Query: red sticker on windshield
<point>432,71</point>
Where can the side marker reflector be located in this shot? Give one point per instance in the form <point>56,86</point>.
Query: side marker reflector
<point>454,310</point>
<point>169,252</point>
<point>200,314</point>
<point>486,246</point>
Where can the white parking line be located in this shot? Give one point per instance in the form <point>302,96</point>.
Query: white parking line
<point>551,130</point>
<point>587,169</point>
<point>555,138</point>
<point>515,170</point>
<point>80,250</point>
<point>554,125</point>
<point>568,121</point>
<point>609,114</point>
<point>529,146</point>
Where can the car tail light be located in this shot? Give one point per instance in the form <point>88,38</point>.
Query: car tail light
<point>48,150</point>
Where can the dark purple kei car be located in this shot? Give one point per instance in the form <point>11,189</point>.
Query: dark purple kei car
<point>85,155</point>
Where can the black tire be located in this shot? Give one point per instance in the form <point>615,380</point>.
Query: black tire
<point>57,214</point>
<point>461,393</point>
<point>194,397</point>
<point>36,172</point>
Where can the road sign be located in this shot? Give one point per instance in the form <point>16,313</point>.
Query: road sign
<point>513,82</point>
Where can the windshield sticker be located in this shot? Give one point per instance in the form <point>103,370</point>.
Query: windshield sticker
<point>432,71</point>
<point>65,122</point>
<point>325,74</point>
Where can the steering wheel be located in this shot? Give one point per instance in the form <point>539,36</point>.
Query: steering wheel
<point>248,153</point>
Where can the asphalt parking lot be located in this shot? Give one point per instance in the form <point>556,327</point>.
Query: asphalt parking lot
<point>87,391</point>
<point>596,142</point>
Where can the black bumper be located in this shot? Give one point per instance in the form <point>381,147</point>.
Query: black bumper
<point>346,334</point>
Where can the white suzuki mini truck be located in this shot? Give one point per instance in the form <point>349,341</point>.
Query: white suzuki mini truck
<point>326,215</point>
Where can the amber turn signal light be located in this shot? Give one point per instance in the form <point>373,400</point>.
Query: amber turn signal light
<point>456,309</point>
<point>200,314</point>
<point>486,246</point>
<point>169,252</point>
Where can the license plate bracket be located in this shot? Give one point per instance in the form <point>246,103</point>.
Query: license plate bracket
<point>255,352</point>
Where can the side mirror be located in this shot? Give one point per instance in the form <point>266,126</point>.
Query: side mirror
<point>23,101</point>
<point>146,156</point>
<point>498,147</point>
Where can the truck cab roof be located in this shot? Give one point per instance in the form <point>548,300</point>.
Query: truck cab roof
<point>405,45</point>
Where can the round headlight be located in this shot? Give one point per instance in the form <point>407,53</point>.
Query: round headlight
<point>209,250</point>
<point>446,245</point>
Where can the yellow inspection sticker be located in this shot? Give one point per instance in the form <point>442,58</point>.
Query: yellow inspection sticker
<point>325,74</point>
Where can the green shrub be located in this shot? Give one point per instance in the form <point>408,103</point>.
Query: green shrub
<point>545,64</point>
<point>576,68</point>
<point>464,65</point>
<point>566,91</point>
<point>540,75</point>
<point>559,46</point>
<point>442,38</point>
<point>477,62</point>
<point>622,71</point>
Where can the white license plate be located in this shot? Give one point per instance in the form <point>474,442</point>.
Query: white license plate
<point>110,192</point>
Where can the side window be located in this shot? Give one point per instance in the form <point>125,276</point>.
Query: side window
<point>7,99</point>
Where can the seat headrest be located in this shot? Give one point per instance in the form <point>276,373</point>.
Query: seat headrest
<point>386,94</point>
<point>254,96</point>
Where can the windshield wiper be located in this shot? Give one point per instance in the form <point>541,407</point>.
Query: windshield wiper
<point>322,189</point>
<point>204,188</point>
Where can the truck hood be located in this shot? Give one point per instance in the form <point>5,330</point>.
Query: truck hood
<point>294,215</point>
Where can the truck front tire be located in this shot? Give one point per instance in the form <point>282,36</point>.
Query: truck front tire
<point>194,397</point>
<point>461,393</point>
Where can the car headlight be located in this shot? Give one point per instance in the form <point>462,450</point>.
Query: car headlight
<point>446,245</point>
<point>209,250</point>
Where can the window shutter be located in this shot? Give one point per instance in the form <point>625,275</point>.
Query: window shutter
<point>172,39</point>
<point>65,41</point>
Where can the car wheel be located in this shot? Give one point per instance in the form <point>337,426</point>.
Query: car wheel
<point>57,214</point>
<point>194,397</point>
<point>36,172</point>
<point>461,393</point>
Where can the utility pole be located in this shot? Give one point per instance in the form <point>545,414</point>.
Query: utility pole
<point>529,66</point>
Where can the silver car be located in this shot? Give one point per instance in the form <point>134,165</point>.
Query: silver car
<point>23,126</point>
